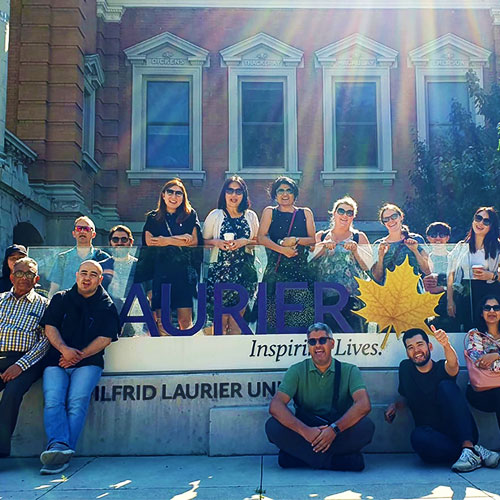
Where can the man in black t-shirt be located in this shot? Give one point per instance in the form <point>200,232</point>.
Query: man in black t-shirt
<point>79,323</point>
<point>445,430</point>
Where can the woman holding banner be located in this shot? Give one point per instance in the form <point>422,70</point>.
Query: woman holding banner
<point>170,230</point>
<point>342,254</point>
<point>231,229</point>
<point>287,231</point>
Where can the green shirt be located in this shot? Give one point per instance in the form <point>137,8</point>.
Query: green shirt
<point>312,390</point>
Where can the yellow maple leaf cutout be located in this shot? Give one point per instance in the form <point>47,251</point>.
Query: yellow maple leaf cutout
<point>397,305</point>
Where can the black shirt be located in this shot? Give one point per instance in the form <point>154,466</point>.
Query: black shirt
<point>81,320</point>
<point>420,390</point>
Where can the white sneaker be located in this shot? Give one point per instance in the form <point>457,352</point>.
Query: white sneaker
<point>490,458</point>
<point>468,461</point>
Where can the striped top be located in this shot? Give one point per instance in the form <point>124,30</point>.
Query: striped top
<point>20,330</point>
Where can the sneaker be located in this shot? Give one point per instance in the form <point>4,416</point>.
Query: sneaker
<point>468,461</point>
<point>490,458</point>
<point>54,468</point>
<point>57,454</point>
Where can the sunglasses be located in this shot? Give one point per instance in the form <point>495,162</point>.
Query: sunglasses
<point>83,229</point>
<point>237,191</point>
<point>488,307</point>
<point>343,211</point>
<point>438,235</point>
<point>121,239</point>
<point>282,191</point>
<point>394,216</point>
<point>484,220</point>
<point>321,341</point>
<point>173,192</point>
<point>24,274</point>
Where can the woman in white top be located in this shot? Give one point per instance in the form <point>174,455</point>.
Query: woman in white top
<point>473,268</point>
<point>230,229</point>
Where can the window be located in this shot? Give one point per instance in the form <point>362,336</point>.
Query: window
<point>440,99</point>
<point>168,125</point>
<point>356,143</point>
<point>262,107</point>
<point>262,124</point>
<point>357,110</point>
<point>440,78</point>
<point>166,109</point>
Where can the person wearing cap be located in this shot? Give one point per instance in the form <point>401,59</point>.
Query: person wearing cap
<point>67,263</point>
<point>22,344</point>
<point>330,425</point>
<point>12,254</point>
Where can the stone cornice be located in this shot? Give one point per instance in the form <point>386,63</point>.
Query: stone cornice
<point>110,12</point>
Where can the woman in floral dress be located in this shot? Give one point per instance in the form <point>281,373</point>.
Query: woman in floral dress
<point>231,229</point>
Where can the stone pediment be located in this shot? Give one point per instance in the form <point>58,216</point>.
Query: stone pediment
<point>167,49</point>
<point>356,51</point>
<point>262,51</point>
<point>449,51</point>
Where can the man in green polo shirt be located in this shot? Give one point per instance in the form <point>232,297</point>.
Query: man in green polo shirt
<point>330,426</point>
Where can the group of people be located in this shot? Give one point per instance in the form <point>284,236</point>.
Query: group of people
<point>330,426</point>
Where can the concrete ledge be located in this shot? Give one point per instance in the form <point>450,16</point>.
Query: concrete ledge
<point>201,413</point>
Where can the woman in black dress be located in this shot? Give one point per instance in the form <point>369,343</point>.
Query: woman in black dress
<point>287,231</point>
<point>169,229</point>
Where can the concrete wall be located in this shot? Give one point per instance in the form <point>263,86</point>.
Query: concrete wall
<point>204,413</point>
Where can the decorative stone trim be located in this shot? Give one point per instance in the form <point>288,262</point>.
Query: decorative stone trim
<point>94,73</point>
<point>110,12</point>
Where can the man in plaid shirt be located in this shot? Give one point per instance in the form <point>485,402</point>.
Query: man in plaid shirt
<point>22,344</point>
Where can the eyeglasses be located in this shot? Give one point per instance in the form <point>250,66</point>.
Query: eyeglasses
<point>24,274</point>
<point>282,191</point>
<point>83,229</point>
<point>174,192</point>
<point>237,191</point>
<point>438,235</point>
<point>488,307</point>
<point>394,216</point>
<point>484,220</point>
<point>320,340</point>
<point>121,239</point>
<point>343,211</point>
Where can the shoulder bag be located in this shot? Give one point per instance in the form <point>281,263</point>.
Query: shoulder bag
<point>481,379</point>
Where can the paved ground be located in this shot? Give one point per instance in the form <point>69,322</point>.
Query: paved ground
<point>386,477</point>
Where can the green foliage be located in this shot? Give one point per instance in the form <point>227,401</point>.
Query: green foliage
<point>461,171</point>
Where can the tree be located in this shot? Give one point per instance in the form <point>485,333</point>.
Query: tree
<point>461,171</point>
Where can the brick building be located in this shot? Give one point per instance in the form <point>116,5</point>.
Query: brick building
<point>113,97</point>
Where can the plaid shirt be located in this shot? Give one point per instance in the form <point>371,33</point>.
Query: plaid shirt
<point>19,327</point>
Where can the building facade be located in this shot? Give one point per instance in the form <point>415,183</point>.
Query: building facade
<point>114,97</point>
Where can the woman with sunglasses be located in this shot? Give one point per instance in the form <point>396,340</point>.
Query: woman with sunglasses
<point>393,249</point>
<point>342,254</point>
<point>287,231</point>
<point>473,269</point>
<point>483,346</point>
<point>230,229</point>
<point>171,228</point>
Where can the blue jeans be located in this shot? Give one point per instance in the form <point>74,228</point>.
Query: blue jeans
<point>67,393</point>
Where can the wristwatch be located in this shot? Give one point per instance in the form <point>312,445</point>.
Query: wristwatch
<point>335,428</point>
<point>280,242</point>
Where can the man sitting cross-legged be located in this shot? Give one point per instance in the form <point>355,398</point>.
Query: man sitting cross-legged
<point>330,426</point>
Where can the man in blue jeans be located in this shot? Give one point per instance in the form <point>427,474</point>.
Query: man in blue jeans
<point>445,430</point>
<point>79,323</point>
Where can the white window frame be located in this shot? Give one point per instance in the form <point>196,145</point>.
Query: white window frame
<point>373,64</point>
<point>93,80</point>
<point>188,68</point>
<point>459,56</point>
<point>288,59</point>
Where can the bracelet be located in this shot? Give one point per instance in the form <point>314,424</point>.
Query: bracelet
<point>280,242</point>
<point>495,275</point>
<point>296,240</point>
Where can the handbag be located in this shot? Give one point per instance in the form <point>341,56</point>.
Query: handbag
<point>480,379</point>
